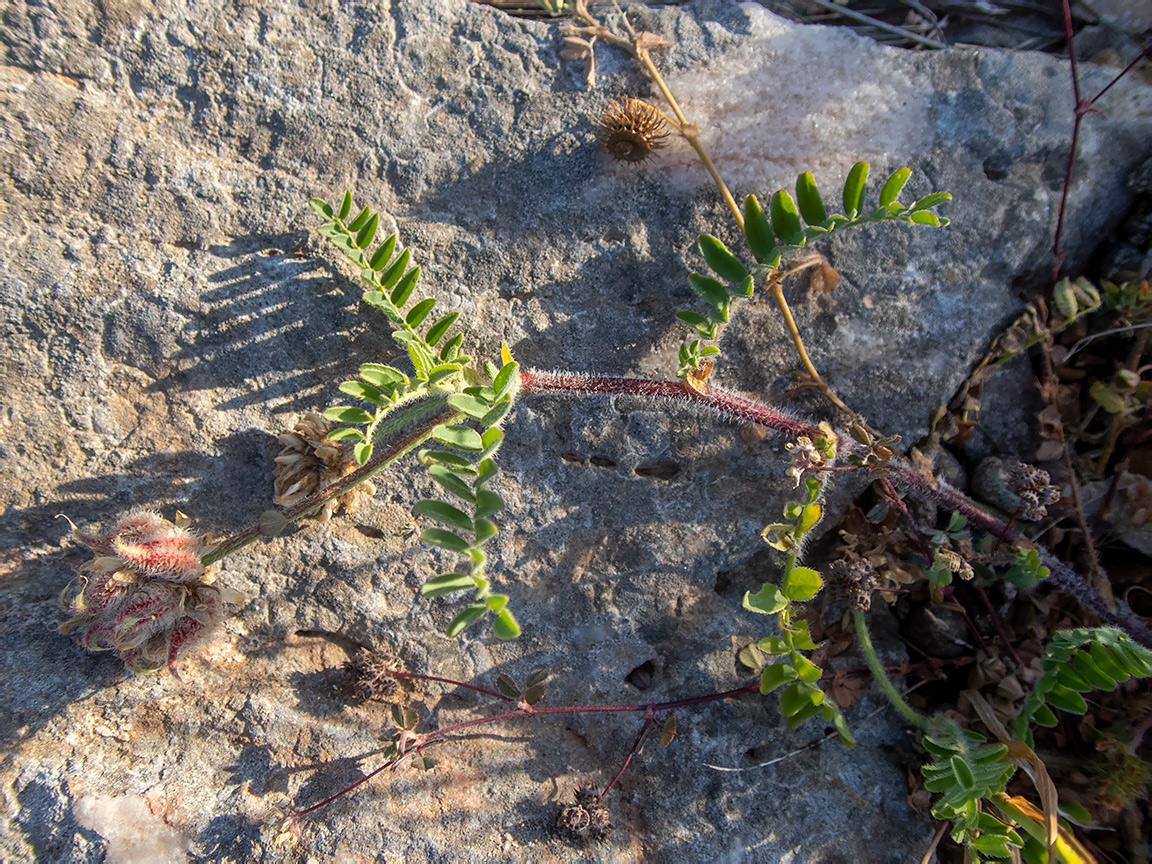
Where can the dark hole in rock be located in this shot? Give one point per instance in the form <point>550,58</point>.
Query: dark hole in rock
<point>370,531</point>
<point>641,676</point>
<point>658,470</point>
<point>602,462</point>
<point>569,456</point>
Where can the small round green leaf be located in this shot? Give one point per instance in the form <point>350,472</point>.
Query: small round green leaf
<point>854,189</point>
<point>363,452</point>
<point>803,583</point>
<point>723,263</point>
<point>345,206</point>
<point>767,601</point>
<point>757,230</point>
<point>894,185</point>
<point>808,197</point>
<point>419,312</point>
<point>367,231</point>
<point>445,540</point>
<point>775,675</point>
<point>322,207</point>
<point>347,414</point>
<point>505,626</point>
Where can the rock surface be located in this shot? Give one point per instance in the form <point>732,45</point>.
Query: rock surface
<point>165,302</point>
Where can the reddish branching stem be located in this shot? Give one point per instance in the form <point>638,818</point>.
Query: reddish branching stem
<point>419,742</point>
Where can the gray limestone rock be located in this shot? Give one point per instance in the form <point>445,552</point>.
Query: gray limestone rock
<point>165,304</point>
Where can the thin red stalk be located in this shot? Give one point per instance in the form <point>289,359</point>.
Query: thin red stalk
<point>484,690</point>
<point>1120,75</point>
<point>889,492</point>
<point>999,624</point>
<point>1076,120</point>
<point>645,728</point>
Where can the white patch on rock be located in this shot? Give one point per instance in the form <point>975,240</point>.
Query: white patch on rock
<point>134,835</point>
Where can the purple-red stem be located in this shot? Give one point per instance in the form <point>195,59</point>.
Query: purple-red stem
<point>728,405</point>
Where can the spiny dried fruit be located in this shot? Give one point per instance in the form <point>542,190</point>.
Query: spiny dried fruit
<point>586,819</point>
<point>370,674</point>
<point>309,461</point>
<point>145,595</point>
<point>631,130</point>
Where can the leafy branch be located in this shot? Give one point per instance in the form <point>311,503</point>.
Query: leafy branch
<point>771,239</point>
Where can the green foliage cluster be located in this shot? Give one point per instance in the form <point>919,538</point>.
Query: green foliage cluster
<point>390,286</point>
<point>465,475</point>
<point>771,239</point>
<point>1078,661</point>
<point>967,771</point>
<point>802,696</point>
<point>438,369</point>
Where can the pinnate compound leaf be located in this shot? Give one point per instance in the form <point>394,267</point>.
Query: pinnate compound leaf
<point>803,583</point>
<point>726,265</point>
<point>447,584</point>
<point>854,189</point>
<point>775,675</point>
<point>445,540</point>
<point>506,626</point>
<point>445,513</point>
<point>466,618</point>
<point>757,230</point>
<point>893,186</point>
<point>808,197</point>
<point>767,601</point>
<point>347,414</point>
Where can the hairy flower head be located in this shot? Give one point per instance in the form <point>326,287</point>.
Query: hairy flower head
<point>145,595</point>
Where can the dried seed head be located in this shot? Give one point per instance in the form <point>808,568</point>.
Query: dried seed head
<point>370,674</point>
<point>586,819</point>
<point>631,130</point>
<point>854,581</point>
<point>1015,487</point>
<point>309,461</point>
